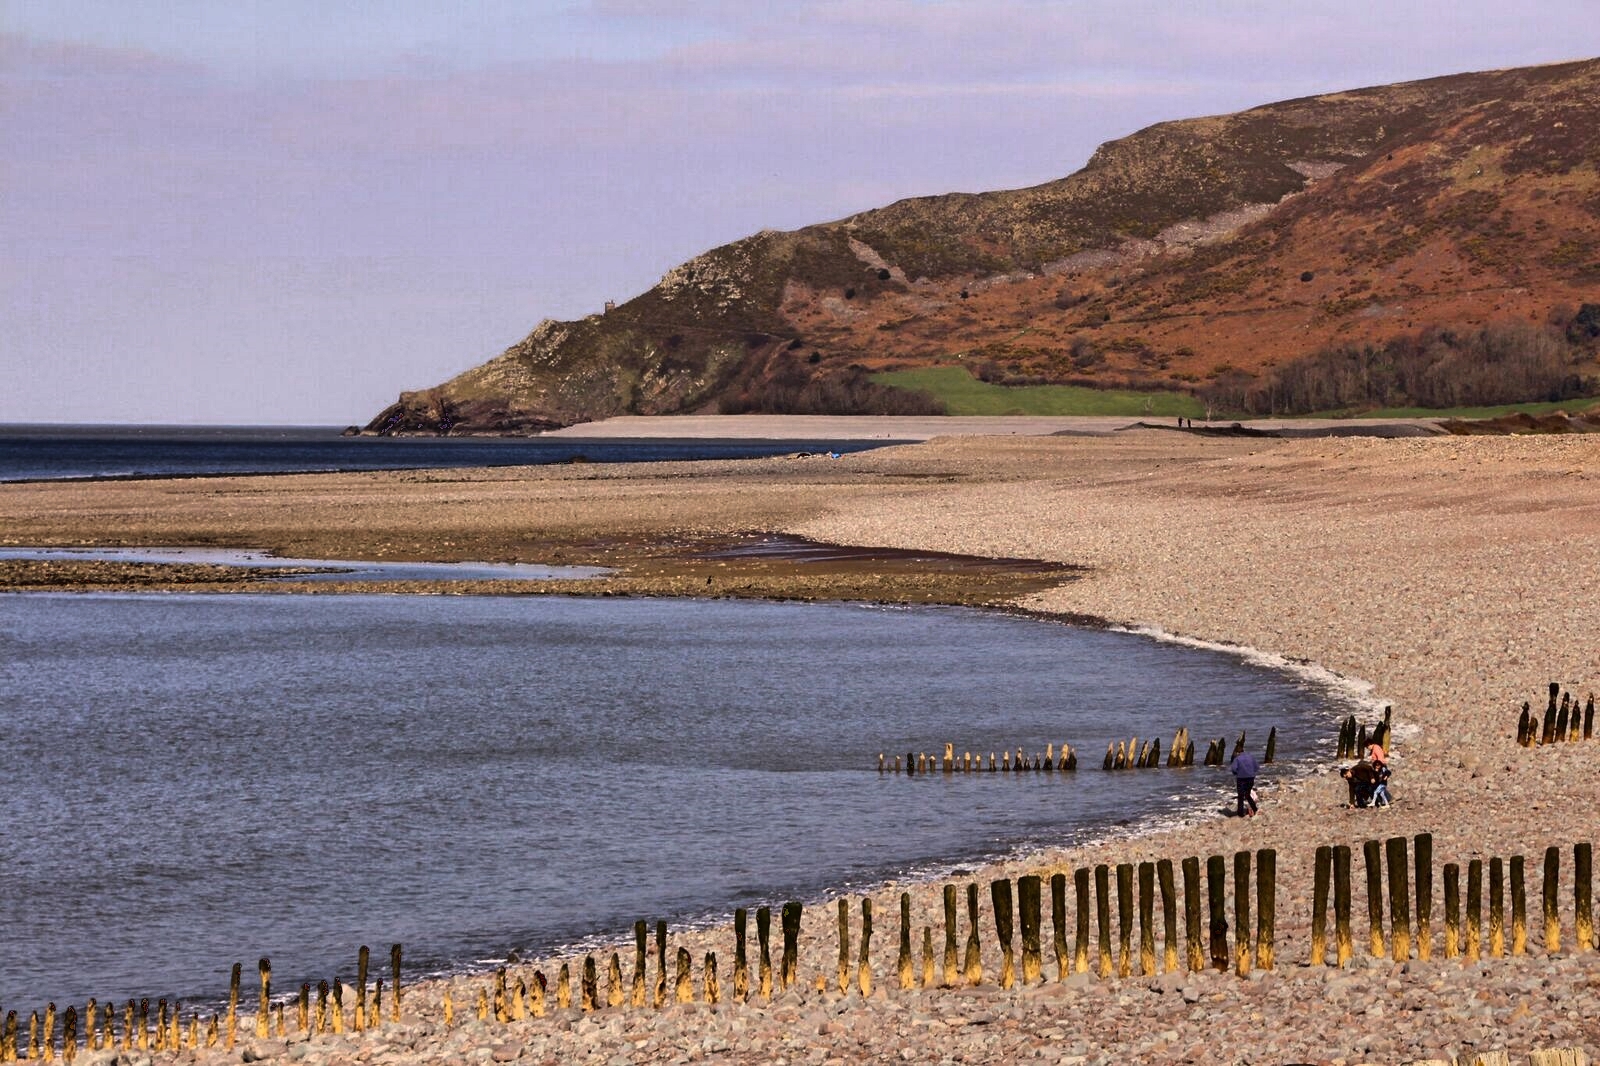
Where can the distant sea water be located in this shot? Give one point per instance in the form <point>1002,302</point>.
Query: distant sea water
<point>196,780</point>
<point>59,452</point>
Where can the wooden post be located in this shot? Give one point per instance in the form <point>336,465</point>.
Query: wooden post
<point>233,1005</point>
<point>1423,861</point>
<point>660,998</point>
<point>1216,888</point>
<point>927,957</point>
<point>1452,910</point>
<point>1191,914</point>
<point>713,987</point>
<point>69,1035</point>
<point>90,1036</point>
<point>1000,899</point>
<point>377,999</point>
<point>844,946</point>
<point>303,1007</point>
<point>764,950</point>
<point>1102,914</point>
<point>1588,717</point>
<point>1474,909</point>
<point>263,1015</point>
<point>1030,905</point>
<point>615,996</point>
<point>1519,905</point>
<point>1266,907</point>
<point>864,962</point>
<point>1399,898</point>
<point>144,1022</point>
<point>641,936</point>
<point>791,943</point>
<point>1272,745</point>
<point>1497,909</point>
<point>394,983</point>
<point>974,959</point>
<point>589,988</point>
<point>1582,889</point>
<point>363,958</point>
<point>1241,912</point>
<point>903,965</point>
<point>338,1007</point>
<point>1372,856</point>
<point>1552,899</point>
<point>322,1006</point>
<point>1321,874</point>
<point>949,977</point>
<point>1058,922</point>
<point>1169,915</point>
<point>1147,918</point>
<point>1525,726</point>
<point>1080,938</point>
<point>536,995</point>
<point>741,961</point>
<point>564,987</point>
<point>1124,919</point>
<point>49,1037</point>
<point>1344,947</point>
<point>685,981</point>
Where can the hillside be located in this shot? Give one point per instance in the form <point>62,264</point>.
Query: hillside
<point>1430,241</point>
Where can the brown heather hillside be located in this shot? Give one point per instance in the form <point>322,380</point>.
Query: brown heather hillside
<point>1253,258</point>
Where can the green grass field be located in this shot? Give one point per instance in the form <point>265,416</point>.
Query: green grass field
<point>964,394</point>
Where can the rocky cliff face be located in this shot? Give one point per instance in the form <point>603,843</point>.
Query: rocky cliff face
<point>1214,249</point>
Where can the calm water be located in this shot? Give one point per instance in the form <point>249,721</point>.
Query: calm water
<point>32,453</point>
<point>195,780</point>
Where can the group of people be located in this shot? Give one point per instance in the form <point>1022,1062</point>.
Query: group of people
<point>1368,781</point>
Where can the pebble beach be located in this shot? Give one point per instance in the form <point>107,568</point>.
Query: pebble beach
<point>1450,578</point>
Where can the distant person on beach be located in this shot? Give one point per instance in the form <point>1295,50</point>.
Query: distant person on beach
<point>1364,780</point>
<point>1375,755</point>
<point>1244,779</point>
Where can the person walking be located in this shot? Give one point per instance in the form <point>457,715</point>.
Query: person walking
<point>1244,769</point>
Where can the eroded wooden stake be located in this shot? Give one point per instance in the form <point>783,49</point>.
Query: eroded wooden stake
<point>1000,898</point>
<point>1266,908</point>
<point>973,964</point>
<point>1344,946</point>
<point>1399,897</point>
<point>1058,923</point>
<point>1321,875</point>
<point>1102,916</point>
<point>1423,861</point>
<point>864,962</point>
<point>949,975</point>
<point>1191,915</point>
<point>903,968</point>
<point>741,961</point>
<point>791,942</point>
<point>1372,856</point>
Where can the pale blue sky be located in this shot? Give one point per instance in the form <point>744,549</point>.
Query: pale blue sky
<point>286,211</point>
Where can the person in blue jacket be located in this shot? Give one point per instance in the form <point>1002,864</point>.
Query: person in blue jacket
<point>1244,778</point>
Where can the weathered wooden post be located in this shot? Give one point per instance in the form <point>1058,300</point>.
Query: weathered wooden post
<point>641,935</point>
<point>1497,909</point>
<point>713,986</point>
<point>1582,889</point>
<point>1372,857</point>
<point>949,977</point>
<point>1124,919</point>
<point>764,950</point>
<point>844,946</point>
<point>589,987</point>
<point>1552,899</point>
<point>1588,717</point>
<point>1169,915</point>
<point>48,1046</point>
<point>927,957</point>
<point>1474,909</point>
<point>1241,913</point>
<point>1452,910</point>
<point>1423,859</point>
<point>1000,900</point>
<point>903,965</point>
<point>537,994</point>
<point>1548,733</point>
<point>1399,897</point>
<point>69,1035</point>
<point>1519,905</point>
<point>1191,914</point>
<point>144,1023</point>
<point>1030,904</point>
<point>1266,908</point>
<point>660,997</point>
<point>684,984</point>
<point>741,961</point>
<point>1344,946</point>
<point>615,996</point>
<point>1058,922</point>
<point>233,1005</point>
<point>1525,726</point>
<point>1216,888</point>
<point>263,1011</point>
<point>1147,918</point>
<point>1272,745</point>
<point>394,983</point>
<point>564,987</point>
<point>302,1013</point>
<point>1080,938</point>
<point>322,1025</point>
<point>1102,914</point>
<point>864,963</point>
<point>1321,874</point>
<point>791,942</point>
<point>974,959</point>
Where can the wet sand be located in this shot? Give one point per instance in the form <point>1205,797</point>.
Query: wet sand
<point>1455,576</point>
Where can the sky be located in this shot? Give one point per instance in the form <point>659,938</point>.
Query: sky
<point>288,211</point>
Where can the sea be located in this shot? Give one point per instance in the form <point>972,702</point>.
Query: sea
<point>194,780</point>
<point>88,452</point>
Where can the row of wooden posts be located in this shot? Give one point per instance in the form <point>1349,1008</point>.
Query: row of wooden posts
<point>1354,737</point>
<point>1561,724</point>
<point>1120,755</point>
<point>168,1030</point>
<point>1400,924</point>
